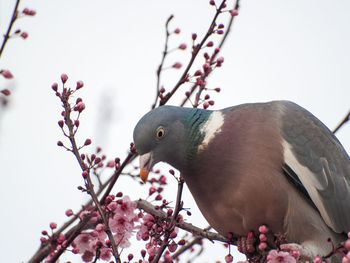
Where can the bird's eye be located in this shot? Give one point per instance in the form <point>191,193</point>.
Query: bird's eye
<point>160,132</point>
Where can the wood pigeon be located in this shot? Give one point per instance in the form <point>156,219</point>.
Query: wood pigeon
<point>262,163</point>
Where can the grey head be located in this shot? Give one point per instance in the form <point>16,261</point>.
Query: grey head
<point>168,134</point>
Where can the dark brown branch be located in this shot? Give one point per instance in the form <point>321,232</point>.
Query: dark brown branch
<point>165,52</point>
<point>7,35</point>
<point>195,52</point>
<point>345,120</point>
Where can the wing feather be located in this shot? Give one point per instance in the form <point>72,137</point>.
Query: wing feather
<point>321,163</point>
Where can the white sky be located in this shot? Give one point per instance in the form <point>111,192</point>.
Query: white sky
<point>296,50</point>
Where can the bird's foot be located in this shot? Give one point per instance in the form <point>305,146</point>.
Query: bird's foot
<point>297,251</point>
<point>246,244</point>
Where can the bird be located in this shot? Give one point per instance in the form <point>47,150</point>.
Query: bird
<point>253,164</point>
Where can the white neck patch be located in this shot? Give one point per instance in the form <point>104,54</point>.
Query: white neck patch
<point>210,128</point>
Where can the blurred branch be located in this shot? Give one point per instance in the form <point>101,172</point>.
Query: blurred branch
<point>345,120</point>
<point>7,35</point>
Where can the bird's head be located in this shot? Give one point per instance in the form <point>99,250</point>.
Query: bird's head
<point>164,134</point>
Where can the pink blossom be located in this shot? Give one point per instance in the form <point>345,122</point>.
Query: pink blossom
<point>275,256</point>
<point>228,258</point>
<point>263,229</point>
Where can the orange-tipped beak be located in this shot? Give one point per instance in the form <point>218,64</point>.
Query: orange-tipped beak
<point>145,165</point>
<point>144,174</point>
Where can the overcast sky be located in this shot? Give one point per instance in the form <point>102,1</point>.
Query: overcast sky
<point>296,50</point>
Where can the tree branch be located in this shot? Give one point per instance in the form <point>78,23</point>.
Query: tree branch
<point>7,35</point>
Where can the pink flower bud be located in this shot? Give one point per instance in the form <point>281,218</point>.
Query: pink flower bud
<point>59,143</point>
<point>234,12</point>
<point>54,86</point>
<point>183,46</point>
<point>151,190</point>
<point>347,244</point>
<point>194,36</point>
<point>119,194</point>
<point>78,100</point>
<point>93,156</point>
<point>24,35</point>
<point>85,174</point>
<point>159,197</point>
<point>212,2</point>
<point>262,246</point>
<point>130,257</point>
<point>216,50</point>
<point>69,212</point>
<point>220,60</point>
<point>229,258</point>
<point>87,142</point>
<point>263,229</point>
<point>210,44</point>
<point>162,180</point>
<point>187,93</point>
<point>76,123</point>
<point>220,31</point>
<point>177,31</point>
<point>206,56</point>
<point>198,73</point>
<point>82,156</point>
<point>79,107</point>
<point>169,212</point>
<point>262,237</point>
<point>53,225</point>
<point>6,92</point>
<point>60,123</point>
<point>143,253</point>
<point>32,12</point>
<point>206,66</point>
<point>6,74</point>
<point>18,31</point>
<point>182,242</point>
<point>217,89</point>
<point>97,160</point>
<point>205,105</point>
<point>207,97</point>
<point>173,234</point>
<point>80,84</point>
<point>317,259</point>
<point>221,26</point>
<point>111,164</point>
<point>172,247</point>
<point>43,239</point>
<point>211,102</point>
<point>177,65</point>
<point>28,12</point>
<point>162,90</point>
<point>171,171</point>
<point>64,78</point>
<point>75,250</point>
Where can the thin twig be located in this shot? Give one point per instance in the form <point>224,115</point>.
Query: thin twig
<point>108,231</point>
<point>195,52</point>
<point>165,52</point>
<point>170,227</point>
<point>196,240</point>
<point>345,120</point>
<point>7,35</point>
